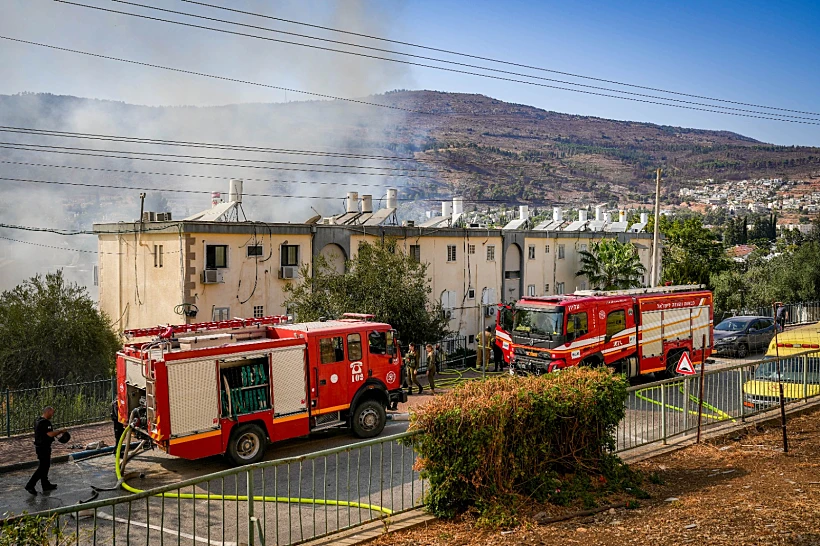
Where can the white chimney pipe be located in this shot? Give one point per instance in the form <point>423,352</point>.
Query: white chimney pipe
<point>235,190</point>
<point>392,198</point>
<point>446,209</point>
<point>622,216</point>
<point>557,214</point>
<point>644,217</point>
<point>216,198</point>
<point>367,203</point>
<point>523,212</point>
<point>458,205</point>
<point>599,213</point>
<point>352,201</point>
<point>583,215</point>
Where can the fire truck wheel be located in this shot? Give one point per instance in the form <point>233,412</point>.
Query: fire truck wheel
<point>247,445</point>
<point>369,419</point>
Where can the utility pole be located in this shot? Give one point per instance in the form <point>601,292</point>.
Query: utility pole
<point>142,207</point>
<point>780,383</point>
<point>654,277</point>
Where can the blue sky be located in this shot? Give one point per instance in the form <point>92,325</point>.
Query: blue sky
<point>756,52</point>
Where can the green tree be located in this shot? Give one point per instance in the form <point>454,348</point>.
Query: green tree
<point>51,330</point>
<point>691,252</point>
<point>610,265</point>
<point>381,280</point>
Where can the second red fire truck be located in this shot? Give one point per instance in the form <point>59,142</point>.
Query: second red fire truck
<point>234,386</point>
<point>636,331</point>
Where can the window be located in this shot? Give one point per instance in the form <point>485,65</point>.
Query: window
<point>491,253</point>
<point>615,322</point>
<point>290,255</point>
<point>470,249</point>
<point>354,346</point>
<point>559,288</point>
<point>560,252</point>
<point>583,248</point>
<point>583,285</point>
<point>577,325</point>
<point>546,288</point>
<point>221,313</point>
<point>380,343</point>
<point>471,293</point>
<point>254,251</point>
<point>531,252</point>
<point>546,249</point>
<point>531,290</point>
<point>331,349</point>
<point>157,255</point>
<point>258,311</point>
<point>415,253</point>
<point>216,256</point>
<point>451,253</point>
<point>470,339</point>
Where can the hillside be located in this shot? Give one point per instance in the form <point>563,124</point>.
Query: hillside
<point>470,145</point>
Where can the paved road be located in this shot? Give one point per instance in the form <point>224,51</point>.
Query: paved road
<point>382,476</point>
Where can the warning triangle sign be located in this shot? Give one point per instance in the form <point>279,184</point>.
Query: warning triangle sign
<point>685,366</point>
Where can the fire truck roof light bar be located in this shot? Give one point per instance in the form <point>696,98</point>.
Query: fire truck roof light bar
<point>637,291</point>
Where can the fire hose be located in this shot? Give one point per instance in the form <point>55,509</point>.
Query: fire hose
<point>121,462</point>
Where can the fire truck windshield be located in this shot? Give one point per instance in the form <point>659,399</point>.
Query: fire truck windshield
<point>547,323</point>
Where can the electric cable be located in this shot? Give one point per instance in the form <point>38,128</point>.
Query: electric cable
<point>210,496</point>
<point>490,59</point>
<point>466,72</point>
<point>422,57</point>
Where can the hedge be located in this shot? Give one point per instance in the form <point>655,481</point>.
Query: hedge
<point>488,441</point>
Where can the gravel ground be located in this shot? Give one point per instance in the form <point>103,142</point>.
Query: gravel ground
<point>738,490</point>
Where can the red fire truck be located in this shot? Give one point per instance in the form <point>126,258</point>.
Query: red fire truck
<point>637,331</point>
<point>234,386</point>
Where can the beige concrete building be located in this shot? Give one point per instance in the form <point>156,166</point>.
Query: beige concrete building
<point>206,268</point>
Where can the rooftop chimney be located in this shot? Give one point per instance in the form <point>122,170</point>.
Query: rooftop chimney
<point>235,190</point>
<point>367,203</point>
<point>446,209</point>
<point>392,198</point>
<point>352,201</point>
<point>583,215</point>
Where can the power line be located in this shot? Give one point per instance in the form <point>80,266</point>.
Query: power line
<point>466,72</point>
<point>392,52</point>
<point>309,182</point>
<point>510,63</point>
<point>76,249</point>
<point>214,76</point>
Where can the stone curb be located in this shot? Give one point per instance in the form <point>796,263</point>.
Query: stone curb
<point>398,416</point>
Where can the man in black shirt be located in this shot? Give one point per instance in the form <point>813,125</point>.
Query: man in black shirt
<point>44,435</point>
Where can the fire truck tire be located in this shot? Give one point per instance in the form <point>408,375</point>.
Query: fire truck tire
<point>368,419</point>
<point>247,445</point>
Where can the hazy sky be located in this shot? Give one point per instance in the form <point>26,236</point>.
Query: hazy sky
<point>756,52</point>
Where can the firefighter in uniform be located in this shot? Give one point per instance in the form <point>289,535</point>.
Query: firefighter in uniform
<point>498,357</point>
<point>44,435</point>
<point>411,362</point>
<point>432,361</point>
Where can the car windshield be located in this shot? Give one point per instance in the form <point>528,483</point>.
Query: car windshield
<point>542,323</point>
<point>732,325</point>
<point>791,370</point>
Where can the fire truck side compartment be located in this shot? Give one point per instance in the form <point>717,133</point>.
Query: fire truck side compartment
<point>193,403</point>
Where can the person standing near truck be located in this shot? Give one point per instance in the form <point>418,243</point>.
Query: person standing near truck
<point>44,435</point>
<point>432,361</point>
<point>411,362</point>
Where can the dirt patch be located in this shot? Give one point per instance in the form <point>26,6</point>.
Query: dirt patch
<point>741,489</point>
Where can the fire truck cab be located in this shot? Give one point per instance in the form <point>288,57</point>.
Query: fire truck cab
<point>636,331</point>
<point>234,386</point>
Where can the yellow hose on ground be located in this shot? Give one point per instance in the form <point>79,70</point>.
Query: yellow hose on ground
<point>206,496</point>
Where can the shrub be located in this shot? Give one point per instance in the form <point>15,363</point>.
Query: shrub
<point>489,442</point>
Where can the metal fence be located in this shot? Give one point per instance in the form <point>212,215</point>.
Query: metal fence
<point>74,404</point>
<point>285,501</point>
<point>796,313</point>
<point>663,410</point>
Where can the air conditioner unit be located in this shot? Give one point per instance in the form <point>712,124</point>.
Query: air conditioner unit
<point>288,272</point>
<point>489,311</point>
<point>448,314</point>
<point>211,276</point>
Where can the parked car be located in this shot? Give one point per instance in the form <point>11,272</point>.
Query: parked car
<point>743,335</point>
<point>799,369</point>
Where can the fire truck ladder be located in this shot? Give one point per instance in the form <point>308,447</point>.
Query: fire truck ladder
<point>210,327</point>
<point>640,291</point>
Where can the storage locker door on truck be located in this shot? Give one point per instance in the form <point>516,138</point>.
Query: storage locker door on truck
<point>192,397</point>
